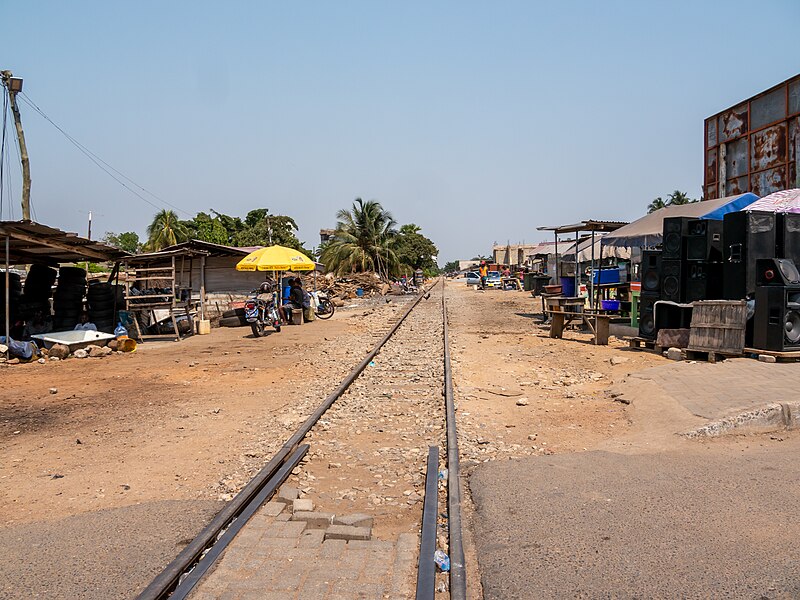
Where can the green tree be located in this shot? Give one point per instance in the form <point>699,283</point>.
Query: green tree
<point>165,230</point>
<point>451,267</point>
<point>363,241</point>
<point>414,250</point>
<point>264,229</point>
<point>209,229</point>
<point>127,241</point>
<point>678,198</point>
<point>656,204</point>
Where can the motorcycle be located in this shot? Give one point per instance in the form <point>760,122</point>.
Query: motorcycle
<point>323,307</point>
<point>261,312</point>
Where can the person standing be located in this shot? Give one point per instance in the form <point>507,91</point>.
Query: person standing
<point>484,273</point>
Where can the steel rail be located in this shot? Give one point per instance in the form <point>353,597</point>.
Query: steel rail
<point>458,577</point>
<point>426,570</point>
<point>191,579</point>
<point>165,582</point>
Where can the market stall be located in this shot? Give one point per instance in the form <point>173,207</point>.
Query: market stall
<point>29,243</point>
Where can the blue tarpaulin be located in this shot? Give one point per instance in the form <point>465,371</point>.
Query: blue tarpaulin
<point>737,204</point>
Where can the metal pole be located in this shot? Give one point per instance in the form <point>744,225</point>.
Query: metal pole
<point>8,306</point>
<point>557,274</point>
<point>577,271</point>
<point>591,276</point>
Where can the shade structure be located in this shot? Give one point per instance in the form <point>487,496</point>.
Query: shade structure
<point>646,232</point>
<point>783,201</point>
<point>276,258</point>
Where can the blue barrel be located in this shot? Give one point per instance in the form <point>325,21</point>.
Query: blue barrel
<point>568,286</point>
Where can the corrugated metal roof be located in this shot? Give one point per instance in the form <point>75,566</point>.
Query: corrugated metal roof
<point>588,225</point>
<point>31,242</point>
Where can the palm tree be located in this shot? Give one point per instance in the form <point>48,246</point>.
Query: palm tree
<point>363,241</point>
<point>677,198</point>
<point>165,230</point>
<point>656,204</point>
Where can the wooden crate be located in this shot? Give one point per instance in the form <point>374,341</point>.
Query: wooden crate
<point>718,326</point>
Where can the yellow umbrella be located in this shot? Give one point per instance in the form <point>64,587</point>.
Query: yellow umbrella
<point>275,258</point>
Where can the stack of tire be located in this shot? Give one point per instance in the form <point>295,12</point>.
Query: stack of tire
<point>37,291</point>
<point>233,318</point>
<point>102,302</point>
<point>68,299</point>
<point>14,294</point>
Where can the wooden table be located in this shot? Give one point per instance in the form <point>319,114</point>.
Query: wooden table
<point>558,302</point>
<point>598,324</point>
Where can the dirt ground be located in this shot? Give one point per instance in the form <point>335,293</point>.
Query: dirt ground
<point>521,392</point>
<point>170,421</point>
<point>192,421</point>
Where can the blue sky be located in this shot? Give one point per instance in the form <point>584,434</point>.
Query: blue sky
<point>477,121</point>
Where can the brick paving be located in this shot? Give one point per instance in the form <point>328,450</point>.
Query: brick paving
<point>274,558</point>
<point>718,390</point>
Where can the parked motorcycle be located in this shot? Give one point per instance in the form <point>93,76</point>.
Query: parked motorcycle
<point>323,307</point>
<point>261,312</point>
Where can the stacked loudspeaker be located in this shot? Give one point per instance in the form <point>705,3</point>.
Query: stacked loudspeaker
<point>749,237</point>
<point>734,259</point>
<point>777,318</point>
<point>650,294</point>
<point>692,259</point>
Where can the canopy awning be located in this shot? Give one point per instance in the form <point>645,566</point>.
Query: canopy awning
<point>646,232</point>
<point>31,242</point>
<point>783,201</point>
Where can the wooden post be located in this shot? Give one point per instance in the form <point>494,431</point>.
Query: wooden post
<point>23,158</point>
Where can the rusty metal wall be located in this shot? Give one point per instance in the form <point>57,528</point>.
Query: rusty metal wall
<point>754,146</point>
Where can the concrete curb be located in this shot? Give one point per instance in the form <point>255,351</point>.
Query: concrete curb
<point>772,417</point>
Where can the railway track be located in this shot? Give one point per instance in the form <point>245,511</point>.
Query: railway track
<point>382,447</point>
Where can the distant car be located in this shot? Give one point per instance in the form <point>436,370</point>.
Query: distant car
<point>493,280</point>
<point>473,278</point>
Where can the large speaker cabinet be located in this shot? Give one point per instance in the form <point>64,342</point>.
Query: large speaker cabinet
<point>673,241</point>
<point>704,240</point>
<point>788,236</point>
<point>651,271</point>
<point>647,318</point>
<point>777,320</point>
<point>747,236</point>
<point>703,281</point>
<point>672,280</point>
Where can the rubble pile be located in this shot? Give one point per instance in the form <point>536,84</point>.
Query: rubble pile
<point>346,288</point>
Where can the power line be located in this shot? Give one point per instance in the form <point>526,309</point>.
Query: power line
<point>103,165</point>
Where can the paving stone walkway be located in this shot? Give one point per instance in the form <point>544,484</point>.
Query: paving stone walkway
<point>274,558</point>
<point>718,390</point>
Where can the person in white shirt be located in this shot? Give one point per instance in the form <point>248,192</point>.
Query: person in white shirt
<point>84,324</point>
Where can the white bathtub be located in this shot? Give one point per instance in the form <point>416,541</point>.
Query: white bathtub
<point>74,339</point>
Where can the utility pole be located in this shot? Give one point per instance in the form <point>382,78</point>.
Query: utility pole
<point>14,86</point>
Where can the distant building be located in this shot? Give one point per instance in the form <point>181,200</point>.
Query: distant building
<point>463,265</point>
<point>514,254</point>
<point>325,235</point>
